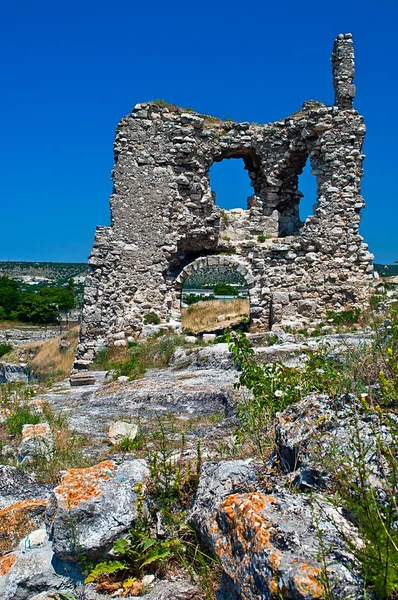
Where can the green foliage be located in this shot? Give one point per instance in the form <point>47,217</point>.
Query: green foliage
<point>225,218</point>
<point>127,444</point>
<point>42,306</point>
<point>5,349</point>
<point>372,508</point>
<point>386,270</point>
<point>223,289</point>
<point>261,238</point>
<point>344,317</point>
<point>195,298</point>
<point>10,296</point>
<point>153,353</point>
<point>105,568</point>
<point>21,416</point>
<point>102,359</point>
<point>151,318</point>
<point>172,478</point>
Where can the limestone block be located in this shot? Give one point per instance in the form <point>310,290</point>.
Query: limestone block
<point>19,519</point>
<point>37,442</point>
<point>99,502</point>
<point>121,429</point>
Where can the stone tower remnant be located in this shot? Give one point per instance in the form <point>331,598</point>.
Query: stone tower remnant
<point>165,224</point>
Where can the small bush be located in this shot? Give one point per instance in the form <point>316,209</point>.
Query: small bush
<point>5,349</point>
<point>224,289</point>
<point>22,416</point>
<point>344,317</point>
<point>151,318</point>
<point>261,238</point>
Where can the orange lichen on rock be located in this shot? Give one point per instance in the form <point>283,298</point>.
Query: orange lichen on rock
<point>18,520</point>
<point>80,485</point>
<point>307,582</point>
<point>41,430</point>
<point>6,563</point>
<point>240,524</point>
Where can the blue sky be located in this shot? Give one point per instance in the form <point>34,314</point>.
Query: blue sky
<point>71,69</point>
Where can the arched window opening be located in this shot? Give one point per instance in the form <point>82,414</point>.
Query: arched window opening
<point>308,187</point>
<point>213,299</point>
<point>231,183</point>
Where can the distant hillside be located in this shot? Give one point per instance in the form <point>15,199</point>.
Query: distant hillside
<point>386,270</point>
<point>50,272</point>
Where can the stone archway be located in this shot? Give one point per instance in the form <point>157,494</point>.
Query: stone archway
<point>211,261</point>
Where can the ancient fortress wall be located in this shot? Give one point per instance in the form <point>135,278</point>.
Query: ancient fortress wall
<point>165,224</point>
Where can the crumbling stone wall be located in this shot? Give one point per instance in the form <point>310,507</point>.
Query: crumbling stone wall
<point>164,221</point>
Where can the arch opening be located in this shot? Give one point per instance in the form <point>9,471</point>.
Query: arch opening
<point>230,183</point>
<point>214,297</point>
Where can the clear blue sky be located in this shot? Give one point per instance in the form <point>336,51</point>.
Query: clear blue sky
<point>71,69</point>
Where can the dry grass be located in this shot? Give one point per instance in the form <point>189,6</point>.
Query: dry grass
<point>46,358</point>
<point>50,361</point>
<point>215,314</point>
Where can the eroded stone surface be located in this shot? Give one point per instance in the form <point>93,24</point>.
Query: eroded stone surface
<point>15,486</point>
<point>37,442</point>
<point>92,507</point>
<point>19,519</point>
<point>26,573</point>
<point>165,224</point>
<point>268,543</point>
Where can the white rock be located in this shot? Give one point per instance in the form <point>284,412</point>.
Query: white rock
<point>121,429</point>
<point>209,337</point>
<point>35,539</point>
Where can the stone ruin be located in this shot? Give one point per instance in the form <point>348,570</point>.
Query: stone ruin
<point>165,223</point>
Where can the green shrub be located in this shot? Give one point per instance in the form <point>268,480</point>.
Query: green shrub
<point>195,298</point>
<point>5,349</point>
<point>25,415</point>
<point>224,289</point>
<point>151,318</point>
<point>344,317</point>
<point>261,238</point>
<point>153,353</point>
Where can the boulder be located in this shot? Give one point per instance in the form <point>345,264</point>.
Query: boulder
<point>15,485</point>
<point>37,442</point>
<point>17,520</point>
<point>316,435</point>
<point>268,544</point>
<point>217,481</point>
<point>10,373</point>
<point>121,429</point>
<point>26,573</point>
<point>209,337</point>
<point>93,507</point>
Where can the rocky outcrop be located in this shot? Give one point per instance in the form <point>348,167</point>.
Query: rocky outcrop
<point>10,373</point>
<point>91,508</point>
<point>37,443</point>
<point>18,520</point>
<point>25,573</point>
<point>17,486</point>
<point>268,544</point>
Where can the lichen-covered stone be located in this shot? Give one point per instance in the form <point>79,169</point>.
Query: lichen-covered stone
<point>269,548</point>
<point>93,507</point>
<point>165,224</point>
<point>18,520</point>
<point>37,442</point>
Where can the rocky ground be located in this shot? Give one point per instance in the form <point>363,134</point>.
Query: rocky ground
<point>270,525</point>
